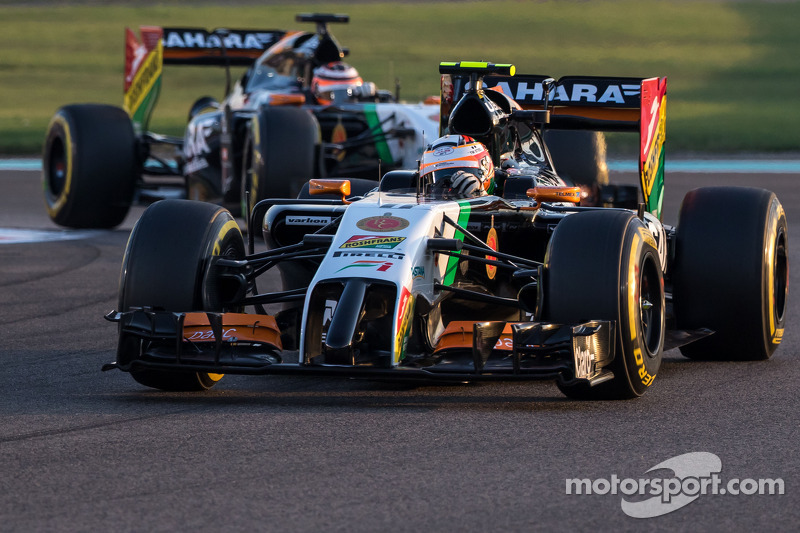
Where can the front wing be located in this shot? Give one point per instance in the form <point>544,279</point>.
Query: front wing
<point>234,343</point>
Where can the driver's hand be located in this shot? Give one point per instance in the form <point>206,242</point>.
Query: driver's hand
<point>465,185</point>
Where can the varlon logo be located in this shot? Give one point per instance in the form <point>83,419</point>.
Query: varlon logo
<point>307,221</point>
<point>196,38</point>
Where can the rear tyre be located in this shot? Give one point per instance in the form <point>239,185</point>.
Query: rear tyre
<point>89,166</point>
<point>279,155</point>
<point>731,272</point>
<point>579,156</point>
<point>604,265</point>
<point>164,267</point>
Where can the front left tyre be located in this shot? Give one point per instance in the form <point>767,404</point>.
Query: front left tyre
<point>165,266</point>
<point>89,166</point>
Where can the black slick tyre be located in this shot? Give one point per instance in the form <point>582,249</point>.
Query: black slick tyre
<point>579,156</point>
<point>604,265</point>
<point>279,154</point>
<point>89,166</point>
<point>731,272</point>
<point>164,267</point>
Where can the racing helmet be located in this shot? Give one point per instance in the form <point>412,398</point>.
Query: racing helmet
<point>447,156</point>
<point>331,77</point>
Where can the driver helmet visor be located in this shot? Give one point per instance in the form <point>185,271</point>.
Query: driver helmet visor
<point>438,176</point>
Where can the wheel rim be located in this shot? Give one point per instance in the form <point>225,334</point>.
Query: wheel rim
<point>57,168</point>
<point>651,307</point>
<point>218,291</point>
<point>781,276</point>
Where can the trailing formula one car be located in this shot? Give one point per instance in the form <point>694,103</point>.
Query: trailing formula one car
<point>296,113</point>
<point>480,265</point>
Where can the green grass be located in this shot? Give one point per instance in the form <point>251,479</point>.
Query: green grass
<point>734,77</point>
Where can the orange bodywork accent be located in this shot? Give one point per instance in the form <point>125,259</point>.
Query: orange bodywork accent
<point>596,113</point>
<point>329,186</point>
<point>458,335</point>
<point>172,53</point>
<point>287,99</point>
<point>236,327</point>
<point>599,113</point>
<point>491,242</point>
<point>555,194</point>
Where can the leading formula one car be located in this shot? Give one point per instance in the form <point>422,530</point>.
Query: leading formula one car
<point>480,265</point>
<point>297,112</point>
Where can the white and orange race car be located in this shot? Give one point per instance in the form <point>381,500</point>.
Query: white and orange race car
<point>413,279</point>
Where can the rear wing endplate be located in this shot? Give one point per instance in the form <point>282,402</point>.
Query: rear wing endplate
<point>146,56</point>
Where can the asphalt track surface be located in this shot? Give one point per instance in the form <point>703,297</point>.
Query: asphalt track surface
<point>84,450</point>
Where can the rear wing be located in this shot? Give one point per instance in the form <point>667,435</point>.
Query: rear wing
<point>159,46</point>
<point>604,104</point>
<point>593,103</point>
<point>577,102</point>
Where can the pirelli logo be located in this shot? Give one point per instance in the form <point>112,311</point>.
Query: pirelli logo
<point>382,255</point>
<point>144,80</point>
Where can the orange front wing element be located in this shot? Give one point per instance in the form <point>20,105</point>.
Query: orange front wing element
<point>458,336</point>
<point>236,327</point>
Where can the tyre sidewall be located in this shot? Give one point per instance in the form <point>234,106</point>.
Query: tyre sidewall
<point>773,310</point>
<point>57,132</point>
<point>639,363</point>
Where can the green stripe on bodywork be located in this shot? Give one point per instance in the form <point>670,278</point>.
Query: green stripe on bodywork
<point>452,263</point>
<point>656,198</point>
<point>374,123</point>
<point>141,117</point>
